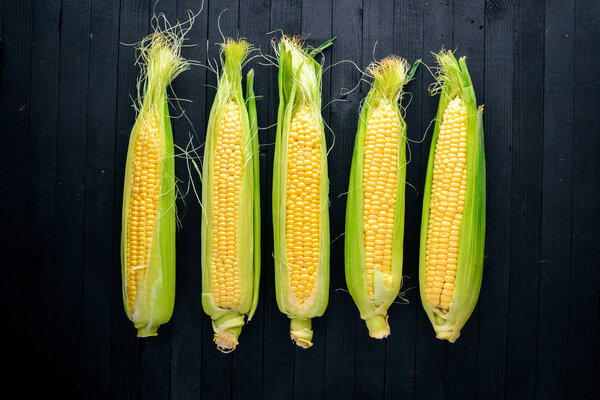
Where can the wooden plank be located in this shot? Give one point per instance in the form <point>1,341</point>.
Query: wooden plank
<point>430,352</point>
<point>369,369</point>
<point>186,333</point>
<point>278,374</point>
<point>223,15</point>
<point>498,125</point>
<point>14,124</point>
<point>66,278</point>
<point>1,13</point>
<point>1,41</point>
<point>583,356</point>
<point>39,184</point>
<point>99,195</point>
<point>248,381</point>
<point>462,356</point>
<point>526,200</point>
<point>557,199</point>
<point>400,351</point>
<point>125,379</point>
<point>342,317</point>
<point>309,369</point>
<point>154,365</point>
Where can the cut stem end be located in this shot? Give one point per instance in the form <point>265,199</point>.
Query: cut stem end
<point>301,332</point>
<point>226,341</point>
<point>147,331</point>
<point>378,326</point>
<point>450,336</point>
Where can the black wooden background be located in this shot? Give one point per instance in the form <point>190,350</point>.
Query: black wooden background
<point>67,82</point>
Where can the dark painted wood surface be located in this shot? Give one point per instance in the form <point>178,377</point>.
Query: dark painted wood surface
<point>66,82</point>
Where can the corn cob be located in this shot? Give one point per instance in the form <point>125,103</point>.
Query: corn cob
<point>231,203</point>
<point>148,218</point>
<point>453,224</point>
<point>375,208</point>
<point>300,191</point>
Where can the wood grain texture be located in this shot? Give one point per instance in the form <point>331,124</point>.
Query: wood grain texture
<point>15,127</point>
<point>41,171</point>
<point>67,81</point>
<point>340,354</point>
<point>67,288</point>
<point>557,198</point>
<point>527,146</point>
<point>583,347</point>
<point>99,195</point>
<point>498,126</point>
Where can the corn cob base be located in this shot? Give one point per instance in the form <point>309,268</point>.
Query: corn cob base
<point>301,332</point>
<point>378,326</point>
<point>227,330</point>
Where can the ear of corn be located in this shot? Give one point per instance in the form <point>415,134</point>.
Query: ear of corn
<point>300,192</point>
<point>375,208</point>
<point>231,203</point>
<point>453,224</point>
<point>148,218</point>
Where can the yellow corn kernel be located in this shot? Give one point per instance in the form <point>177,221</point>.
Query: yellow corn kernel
<point>145,193</point>
<point>380,183</point>
<point>447,202</point>
<point>225,282</point>
<point>303,204</point>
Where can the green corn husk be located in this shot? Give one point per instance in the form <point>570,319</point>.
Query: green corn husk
<point>299,86</point>
<point>227,323</point>
<point>454,81</point>
<point>154,299</point>
<point>390,76</point>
